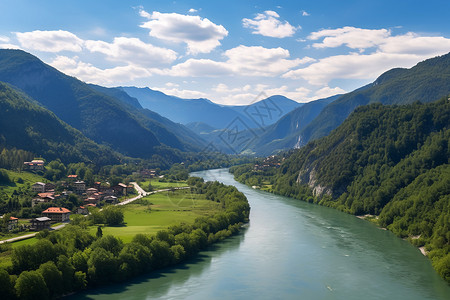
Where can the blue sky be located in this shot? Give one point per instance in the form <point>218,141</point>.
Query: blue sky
<point>231,52</point>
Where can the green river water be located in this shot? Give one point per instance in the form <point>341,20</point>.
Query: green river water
<point>292,250</point>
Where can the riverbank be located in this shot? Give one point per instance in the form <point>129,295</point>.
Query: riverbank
<point>107,259</point>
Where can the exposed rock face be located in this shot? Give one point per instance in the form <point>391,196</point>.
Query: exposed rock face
<point>309,176</point>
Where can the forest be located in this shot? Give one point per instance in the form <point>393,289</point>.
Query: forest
<point>71,259</point>
<point>389,162</point>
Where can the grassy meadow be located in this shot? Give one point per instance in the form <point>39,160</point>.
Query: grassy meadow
<point>159,211</point>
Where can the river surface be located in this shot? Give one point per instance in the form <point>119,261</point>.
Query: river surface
<point>292,250</point>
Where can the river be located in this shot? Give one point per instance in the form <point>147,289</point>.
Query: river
<point>292,250</point>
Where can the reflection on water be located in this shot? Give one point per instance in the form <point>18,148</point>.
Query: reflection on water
<point>292,250</point>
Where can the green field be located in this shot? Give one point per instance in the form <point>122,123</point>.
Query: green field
<point>159,211</point>
<point>28,179</point>
<point>150,214</point>
<point>157,185</point>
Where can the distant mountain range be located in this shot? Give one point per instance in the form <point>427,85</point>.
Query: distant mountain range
<point>106,116</point>
<point>140,122</point>
<point>186,111</point>
<point>26,125</point>
<point>426,82</point>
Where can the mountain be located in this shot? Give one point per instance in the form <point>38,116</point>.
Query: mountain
<point>169,133</point>
<point>200,128</point>
<point>99,116</point>
<point>427,81</point>
<point>284,133</point>
<point>202,110</point>
<point>26,125</point>
<point>390,161</point>
<point>184,111</point>
<point>267,111</point>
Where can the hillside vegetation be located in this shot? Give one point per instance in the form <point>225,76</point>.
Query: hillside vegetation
<point>28,126</point>
<point>388,161</point>
<point>427,81</point>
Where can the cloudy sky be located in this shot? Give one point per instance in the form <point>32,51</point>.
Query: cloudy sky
<point>230,52</point>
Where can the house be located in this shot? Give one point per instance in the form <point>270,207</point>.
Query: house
<point>43,198</point>
<point>49,187</point>
<point>57,214</point>
<point>82,210</point>
<point>91,200</point>
<point>35,165</point>
<point>91,191</point>
<point>80,187</point>
<point>146,173</point>
<point>120,189</point>
<point>111,200</point>
<point>130,189</point>
<point>40,223</point>
<point>12,223</point>
<point>72,177</point>
<point>38,187</point>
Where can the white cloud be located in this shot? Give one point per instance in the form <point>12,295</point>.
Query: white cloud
<point>241,61</point>
<point>200,35</point>
<point>133,51</point>
<point>352,66</point>
<point>89,73</point>
<point>9,46</point>
<point>186,94</point>
<point>4,39</point>
<point>260,61</point>
<point>268,24</point>
<point>388,52</point>
<point>355,38</point>
<point>199,68</point>
<point>50,41</point>
<point>171,84</point>
<point>247,94</point>
<point>305,13</point>
<point>193,10</point>
<point>328,92</point>
<point>413,43</point>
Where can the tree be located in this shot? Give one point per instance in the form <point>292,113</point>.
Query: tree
<point>52,277</point>
<point>31,286</point>
<point>99,233</point>
<point>102,266</point>
<point>113,215</point>
<point>67,272</point>
<point>6,286</point>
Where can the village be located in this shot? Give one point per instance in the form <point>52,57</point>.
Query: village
<point>47,194</point>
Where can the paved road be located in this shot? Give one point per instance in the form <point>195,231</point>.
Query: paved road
<point>27,236</point>
<point>141,194</point>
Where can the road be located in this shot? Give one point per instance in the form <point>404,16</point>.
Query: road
<point>141,194</point>
<point>27,236</point>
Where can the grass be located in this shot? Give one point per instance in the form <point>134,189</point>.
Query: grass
<point>157,185</point>
<point>28,179</point>
<point>159,211</point>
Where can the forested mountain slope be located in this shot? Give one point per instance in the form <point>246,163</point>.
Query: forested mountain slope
<point>27,126</point>
<point>427,81</point>
<point>101,117</point>
<point>168,132</point>
<point>285,132</point>
<point>389,161</point>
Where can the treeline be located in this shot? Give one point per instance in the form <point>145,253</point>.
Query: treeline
<point>71,259</point>
<point>388,161</point>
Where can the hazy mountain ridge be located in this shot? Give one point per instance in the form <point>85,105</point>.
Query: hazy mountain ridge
<point>386,160</point>
<point>202,110</point>
<point>101,117</point>
<point>426,82</point>
<point>26,125</point>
